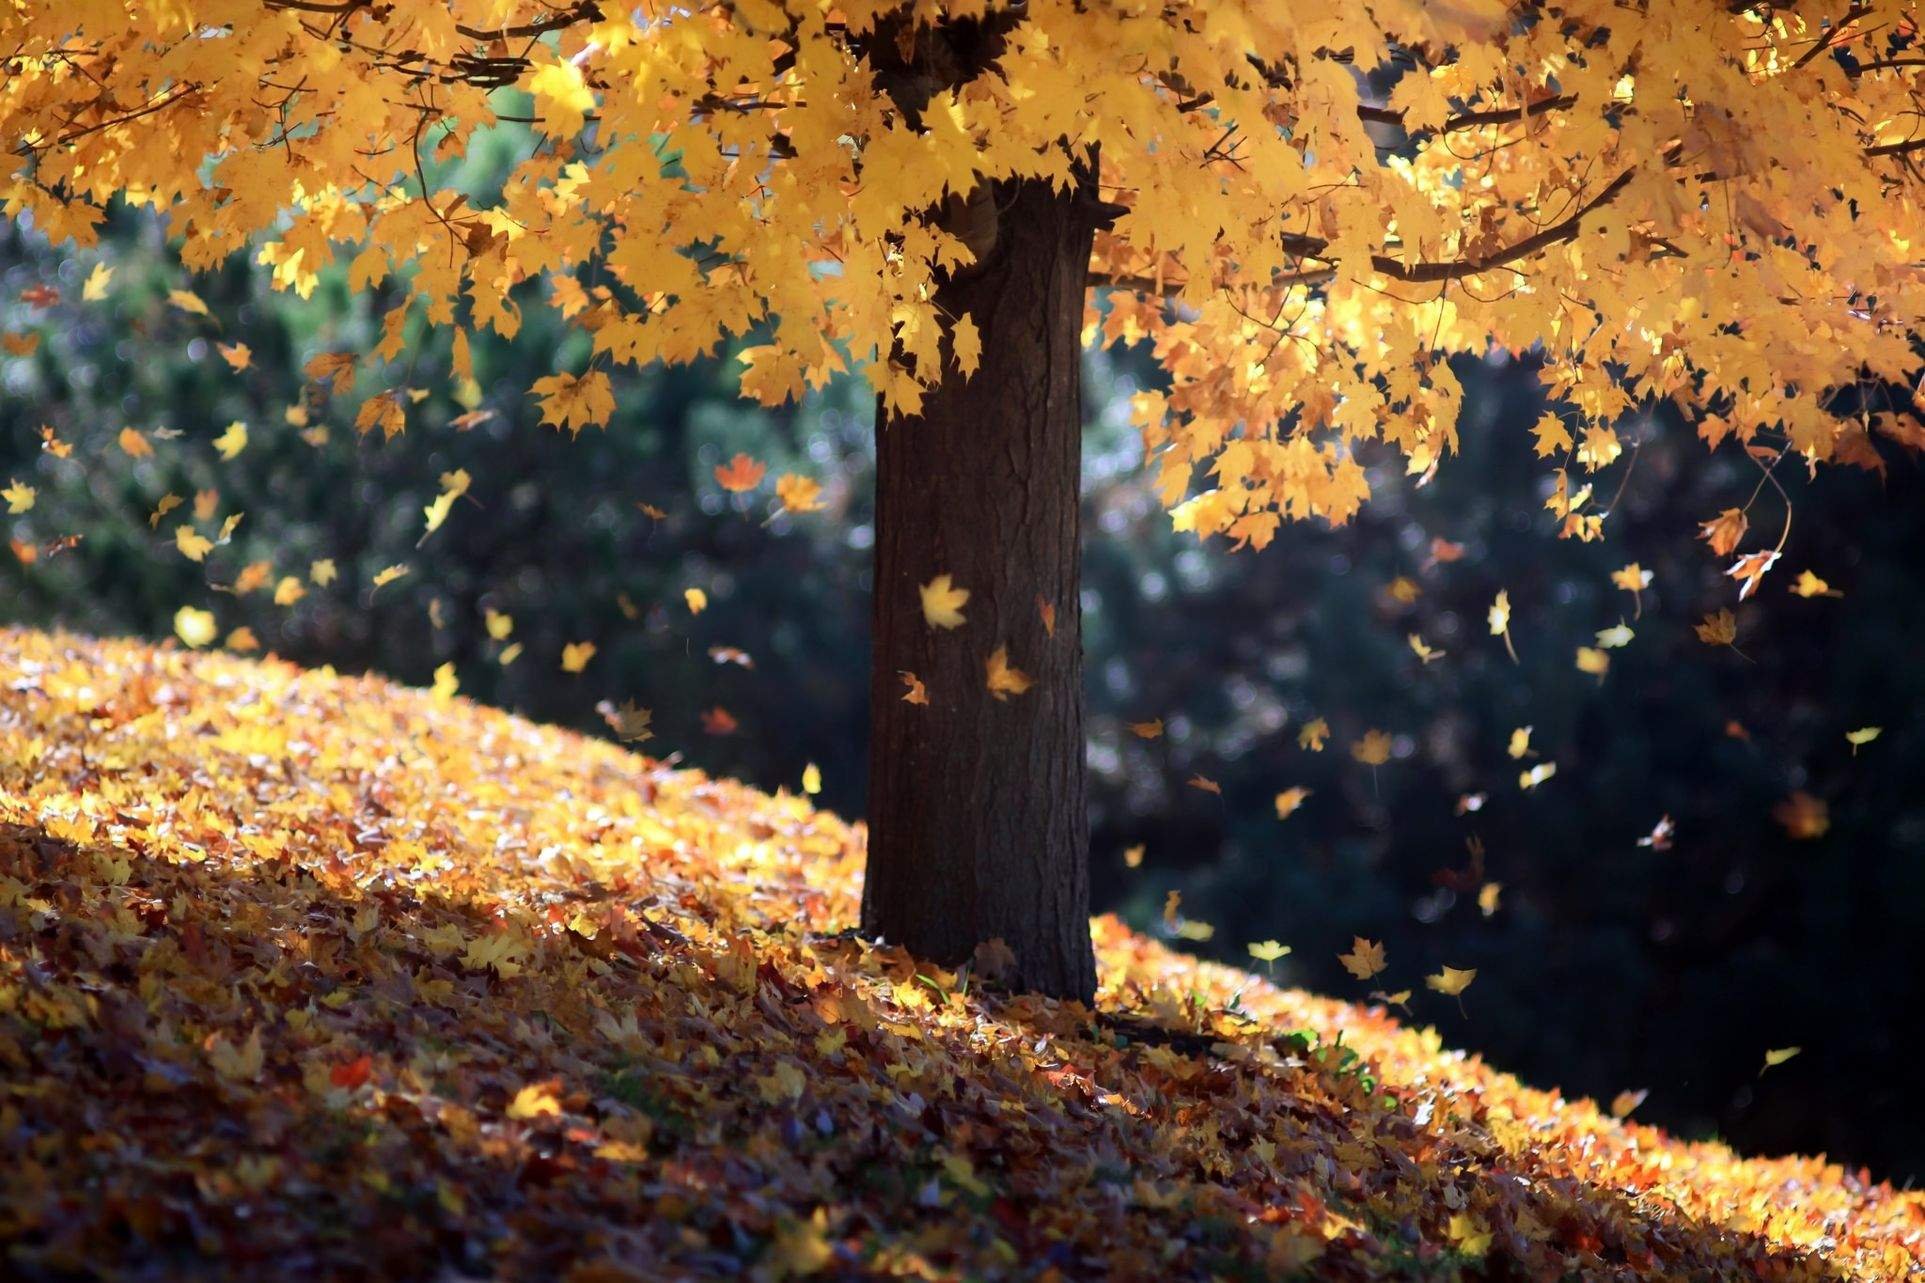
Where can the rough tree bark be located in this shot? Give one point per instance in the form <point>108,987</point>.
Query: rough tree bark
<point>978,824</point>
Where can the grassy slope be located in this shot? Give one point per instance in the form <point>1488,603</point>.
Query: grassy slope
<point>301,975</point>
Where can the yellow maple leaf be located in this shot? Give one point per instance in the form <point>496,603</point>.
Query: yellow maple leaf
<point>966,342</point>
<point>192,543</point>
<point>562,95</point>
<point>187,301</point>
<point>19,497</point>
<point>798,493</point>
<point>1451,981</point>
<point>574,402</point>
<point>698,601</point>
<point>1290,799</point>
<point>1810,585</point>
<point>1862,736</point>
<point>232,441</point>
<point>1314,733</point>
<point>536,1100</point>
<point>1373,749</point>
<point>1365,959</point>
<point>1003,680</point>
<point>942,602</point>
<point>575,656</point>
<point>237,355</point>
<point>134,445</point>
<point>97,281</point>
<point>194,627</point>
<point>388,575</point>
<point>1500,621</point>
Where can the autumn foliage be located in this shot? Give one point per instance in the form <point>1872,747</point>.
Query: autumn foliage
<point>302,974</point>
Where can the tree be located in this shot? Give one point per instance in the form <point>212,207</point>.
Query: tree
<point>1305,208</point>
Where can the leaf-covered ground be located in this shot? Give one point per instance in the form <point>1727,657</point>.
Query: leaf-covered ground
<point>310,976</point>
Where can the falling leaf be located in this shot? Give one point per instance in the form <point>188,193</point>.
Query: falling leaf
<point>20,344</point>
<point>914,692</point>
<point>1487,897</point>
<point>575,656</point>
<point>1634,579</point>
<point>1803,816</point>
<point>1751,568</point>
<point>1661,834</point>
<point>966,342</point>
<point>1615,637</point>
<point>1290,799</point>
<point>1003,680</point>
<point>446,683</point>
<point>942,602</point>
<point>193,545</point>
<point>1365,959</point>
<point>698,601</point>
<point>134,445</point>
<point>796,494</point>
<point>1268,951</point>
<point>231,442</point>
<point>237,355</point>
<point>19,497</point>
<point>498,624</point>
<point>194,627</point>
<point>1204,784</point>
<point>1451,981</point>
<point>1862,736</point>
<point>1423,651</point>
<point>1146,730</point>
<point>1520,745</point>
<point>630,722</point>
<point>1718,629</point>
<point>388,575</point>
<point>1777,1057</point>
<point>1313,734</point>
<point>1528,780</point>
<point>1500,621</point>
<point>288,591</point>
<point>1133,856</point>
<point>1593,662</point>
<point>1724,531</point>
<point>321,573</point>
<point>574,403</point>
<point>719,721</point>
<point>1373,749</point>
<point>187,301</point>
<point>732,655</point>
<point>1810,585</point>
<point>1625,1101</point>
<point>97,281</point>
<point>740,474</point>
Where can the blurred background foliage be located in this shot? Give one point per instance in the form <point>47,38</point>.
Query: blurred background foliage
<point>1605,964</point>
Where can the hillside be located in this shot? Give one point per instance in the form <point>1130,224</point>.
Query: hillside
<point>303,975</point>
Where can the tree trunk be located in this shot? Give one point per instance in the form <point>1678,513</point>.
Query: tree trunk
<point>978,820</point>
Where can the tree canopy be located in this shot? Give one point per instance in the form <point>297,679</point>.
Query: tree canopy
<point>1311,204</point>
